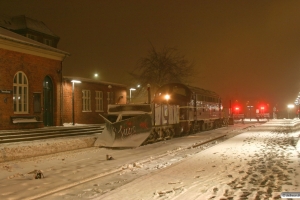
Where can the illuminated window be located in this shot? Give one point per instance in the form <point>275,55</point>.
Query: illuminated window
<point>86,100</point>
<point>20,93</point>
<point>99,101</point>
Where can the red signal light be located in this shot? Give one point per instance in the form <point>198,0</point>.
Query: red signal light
<point>237,109</point>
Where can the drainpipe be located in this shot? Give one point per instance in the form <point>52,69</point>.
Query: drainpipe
<point>61,91</point>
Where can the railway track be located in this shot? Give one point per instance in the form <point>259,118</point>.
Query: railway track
<point>153,160</point>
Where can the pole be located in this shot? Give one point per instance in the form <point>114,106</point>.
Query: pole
<point>230,109</point>
<point>149,93</point>
<point>73,114</point>
<point>130,96</point>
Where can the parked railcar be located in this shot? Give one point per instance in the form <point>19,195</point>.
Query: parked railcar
<point>176,110</point>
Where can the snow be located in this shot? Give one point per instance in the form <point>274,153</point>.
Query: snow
<point>256,164</point>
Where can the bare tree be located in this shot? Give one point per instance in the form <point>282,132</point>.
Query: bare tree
<point>161,67</point>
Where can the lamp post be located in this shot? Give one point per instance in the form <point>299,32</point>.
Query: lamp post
<point>290,106</point>
<point>249,108</point>
<point>149,93</point>
<point>109,93</point>
<point>73,107</point>
<point>131,89</point>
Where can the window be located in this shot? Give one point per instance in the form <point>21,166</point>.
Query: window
<point>99,101</point>
<point>110,97</point>
<point>33,37</point>
<point>20,93</point>
<point>86,100</point>
<point>48,42</point>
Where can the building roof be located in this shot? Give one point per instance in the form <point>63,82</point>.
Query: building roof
<point>9,38</point>
<point>93,81</point>
<point>22,22</point>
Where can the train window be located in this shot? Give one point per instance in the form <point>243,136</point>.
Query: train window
<point>199,97</point>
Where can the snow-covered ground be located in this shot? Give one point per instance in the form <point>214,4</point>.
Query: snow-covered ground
<point>256,164</point>
<point>252,165</point>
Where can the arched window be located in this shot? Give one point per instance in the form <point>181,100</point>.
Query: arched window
<point>20,97</point>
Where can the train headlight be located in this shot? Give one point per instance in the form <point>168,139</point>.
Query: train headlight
<point>167,97</point>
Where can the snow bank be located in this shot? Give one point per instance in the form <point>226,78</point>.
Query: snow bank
<point>19,150</point>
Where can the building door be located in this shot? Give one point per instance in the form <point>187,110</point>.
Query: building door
<point>48,101</point>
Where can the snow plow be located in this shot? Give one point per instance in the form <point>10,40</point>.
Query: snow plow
<point>125,126</point>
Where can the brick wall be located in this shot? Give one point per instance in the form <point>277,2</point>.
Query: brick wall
<point>36,69</point>
<point>88,117</point>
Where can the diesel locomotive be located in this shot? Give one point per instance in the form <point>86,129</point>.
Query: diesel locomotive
<point>176,110</point>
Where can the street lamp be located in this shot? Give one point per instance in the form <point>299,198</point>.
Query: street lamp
<point>73,87</point>
<point>290,106</point>
<point>131,89</point>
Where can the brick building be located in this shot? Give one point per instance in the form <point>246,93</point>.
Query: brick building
<point>33,92</point>
<point>30,82</point>
<point>33,29</point>
<point>91,97</point>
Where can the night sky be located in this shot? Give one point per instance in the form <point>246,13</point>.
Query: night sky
<point>243,50</point>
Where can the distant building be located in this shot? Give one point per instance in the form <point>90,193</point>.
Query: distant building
<point>91,98</point>
<point>30,28</point>
<point>30,82</point>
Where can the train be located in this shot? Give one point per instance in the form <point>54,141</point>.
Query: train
<point>176,110</point>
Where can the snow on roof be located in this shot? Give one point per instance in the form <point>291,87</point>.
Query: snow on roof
<point>22,22</point>
<point>11,36</point>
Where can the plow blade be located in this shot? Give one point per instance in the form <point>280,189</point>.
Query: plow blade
<point>130,132</point>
